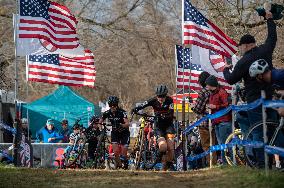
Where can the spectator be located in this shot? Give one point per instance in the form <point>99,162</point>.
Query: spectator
<point>27,132</point>
<point>48,133</point>
<point>200,110</point>
<point>65,132</point>
<point>250,53</point>
<point>219,99</point>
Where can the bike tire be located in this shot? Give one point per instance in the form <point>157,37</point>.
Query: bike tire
<point>240,155</point>
<point>249,158</point>
<point>139,152</point>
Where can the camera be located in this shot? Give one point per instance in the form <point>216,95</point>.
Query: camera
<point>275,9</point>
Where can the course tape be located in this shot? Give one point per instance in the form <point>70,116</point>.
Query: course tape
<point>8,128</point>
<point>274,150</point>
<point>273,103</point>
<point>246,107</point>
<point>235,141</point>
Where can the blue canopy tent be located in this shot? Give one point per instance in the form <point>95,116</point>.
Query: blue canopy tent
<point>62,103</point>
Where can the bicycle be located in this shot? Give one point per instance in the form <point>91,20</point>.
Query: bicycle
<point>146,156</point>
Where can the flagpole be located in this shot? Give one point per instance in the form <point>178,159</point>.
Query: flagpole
<point>27,85</point>
<point>176,71</point>
<point>15,139</point>
<point>183,99</point>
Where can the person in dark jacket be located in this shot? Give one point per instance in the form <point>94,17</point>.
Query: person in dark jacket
<point>218,100</point>
<point>199,109</point>
<point>65,131</point>
<point>250,53</point>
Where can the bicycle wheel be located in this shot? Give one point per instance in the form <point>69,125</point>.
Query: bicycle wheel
<point>239,150</point>
<point>139,152</point>
<point>249,151</point>
<point>150,156</point>
<point>71,160</point>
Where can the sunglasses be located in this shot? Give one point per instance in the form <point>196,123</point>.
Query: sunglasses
<point>113,106</point>
<point>161,96</point>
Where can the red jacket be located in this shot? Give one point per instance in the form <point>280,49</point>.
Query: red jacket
<point>219,97</point>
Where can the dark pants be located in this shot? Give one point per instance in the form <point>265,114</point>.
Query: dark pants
<point>255,116</point>
<point>92,148</point>
<point>223,130</point>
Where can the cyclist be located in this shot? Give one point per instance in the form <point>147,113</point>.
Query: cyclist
<point>120,134</point>
<point>260,70</point>
<point>92,133</point>
<point>164,111</point>
<point>263,74</point>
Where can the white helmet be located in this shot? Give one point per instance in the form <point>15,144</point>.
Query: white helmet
<point>24,120</point>
<point>258,67</point>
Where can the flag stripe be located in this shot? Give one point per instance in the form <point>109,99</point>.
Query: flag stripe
<point>206,35</point>
<point>68,69</point>
<point>198,30</point>
<point>62,77</point>
<point>59,70</point>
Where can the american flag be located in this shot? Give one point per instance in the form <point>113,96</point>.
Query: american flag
<point>51,23</point>
<point>217,61</point>
<point>58,69</point>
<point>185,75</point>
<point>199,31</point>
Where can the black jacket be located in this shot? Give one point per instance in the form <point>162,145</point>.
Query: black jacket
<point>241,70</point>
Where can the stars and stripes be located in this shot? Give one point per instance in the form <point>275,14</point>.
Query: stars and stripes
<point>217,61</point>
<point>51,23</point>
<point>58,69</point>
<point>184,75</point>
<point>183,70</point>
<point>199,31</point>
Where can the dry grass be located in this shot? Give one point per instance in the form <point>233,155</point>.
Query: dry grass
<point>218,177</point>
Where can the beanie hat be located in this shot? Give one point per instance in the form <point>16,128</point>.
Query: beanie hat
<point>212,81</point>
<point>202,77</point>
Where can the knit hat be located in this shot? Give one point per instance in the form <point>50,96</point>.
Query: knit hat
<point>247,39</point>
<point>202,77</point>
<point>212,81</point>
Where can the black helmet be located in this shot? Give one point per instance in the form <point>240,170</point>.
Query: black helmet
<point>64,121</point>
<point>113,101</point>
<point>161,90</point>
<point>94,119</point>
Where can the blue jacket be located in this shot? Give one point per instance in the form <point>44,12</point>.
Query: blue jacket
<point>277,78</point>
<point>44,134</point>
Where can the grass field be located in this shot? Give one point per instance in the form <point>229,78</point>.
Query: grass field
<point>217,177</point>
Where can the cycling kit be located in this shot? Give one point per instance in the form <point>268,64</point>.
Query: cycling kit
<point>119,135</point>
<point>164,113</point>
<point>277,78</point>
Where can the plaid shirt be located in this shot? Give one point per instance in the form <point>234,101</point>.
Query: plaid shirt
<point>200,106</point>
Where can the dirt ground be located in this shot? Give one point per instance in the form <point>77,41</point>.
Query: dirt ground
<point>217,177</point>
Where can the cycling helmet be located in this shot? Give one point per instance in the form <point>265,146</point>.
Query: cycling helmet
<point>94,119</point>
<point>72,136</point>
<point>258,67</point>
<point>24,121</point>
<point>64,121</point>
<point>113,100</point>
<point>161,90</point>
